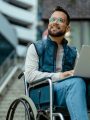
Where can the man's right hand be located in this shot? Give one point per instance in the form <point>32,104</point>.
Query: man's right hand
<point>66,74</point>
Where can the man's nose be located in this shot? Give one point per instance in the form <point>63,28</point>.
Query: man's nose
<point>55,21</point>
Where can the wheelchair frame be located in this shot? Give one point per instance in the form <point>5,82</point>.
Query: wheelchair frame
<point>30,107</point>
<point>31,112</point>
<point>38,82</point>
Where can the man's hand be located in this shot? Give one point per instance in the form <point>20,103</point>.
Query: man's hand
<point>66,74</point>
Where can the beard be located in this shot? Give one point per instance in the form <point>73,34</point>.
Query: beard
<point>54,30</point>
<point>56,34</point>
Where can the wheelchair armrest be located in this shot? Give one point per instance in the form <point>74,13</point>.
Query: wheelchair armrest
<point>40,81</point>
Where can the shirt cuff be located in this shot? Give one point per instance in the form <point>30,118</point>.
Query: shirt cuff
<point>56,76</point>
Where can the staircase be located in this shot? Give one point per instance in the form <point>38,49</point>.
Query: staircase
<point>14,90</point>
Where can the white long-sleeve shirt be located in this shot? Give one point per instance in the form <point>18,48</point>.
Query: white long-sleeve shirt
<point>32,65</point>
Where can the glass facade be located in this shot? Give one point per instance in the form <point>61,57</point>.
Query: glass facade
<point>80,33</point>
<point>5,48</point>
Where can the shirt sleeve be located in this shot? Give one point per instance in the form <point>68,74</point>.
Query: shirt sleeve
<point>31,67</point>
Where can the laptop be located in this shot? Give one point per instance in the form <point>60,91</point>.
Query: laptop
<point>82,67</point>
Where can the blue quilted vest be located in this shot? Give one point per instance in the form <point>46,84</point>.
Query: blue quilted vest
<point>47,51</point>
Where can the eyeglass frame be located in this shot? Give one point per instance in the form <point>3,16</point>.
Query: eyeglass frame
<point>53,19</point>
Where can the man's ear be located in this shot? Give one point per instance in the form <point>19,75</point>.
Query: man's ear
<point>68,28</point>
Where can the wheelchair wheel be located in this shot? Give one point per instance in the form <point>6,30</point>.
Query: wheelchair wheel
<point>30,111</point>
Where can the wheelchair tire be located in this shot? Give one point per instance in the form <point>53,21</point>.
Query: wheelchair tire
<point>30,108</point>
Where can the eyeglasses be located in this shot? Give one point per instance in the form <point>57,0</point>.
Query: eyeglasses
<point>59,20</point>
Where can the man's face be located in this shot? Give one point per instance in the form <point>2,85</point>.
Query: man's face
<point>57,26</point>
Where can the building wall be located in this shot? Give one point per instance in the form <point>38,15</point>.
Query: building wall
<point>80,18</point>
<point>7,30</point>
<point>76,8</point>
<point>22,15</point>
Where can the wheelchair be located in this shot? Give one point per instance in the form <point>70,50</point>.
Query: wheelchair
<point>38,102</point>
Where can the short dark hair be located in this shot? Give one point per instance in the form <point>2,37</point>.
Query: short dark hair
<point>58,8</point>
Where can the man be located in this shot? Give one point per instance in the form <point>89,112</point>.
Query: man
<point>54,58</point>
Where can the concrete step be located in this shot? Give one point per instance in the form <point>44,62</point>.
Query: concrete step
<point>13,91</point>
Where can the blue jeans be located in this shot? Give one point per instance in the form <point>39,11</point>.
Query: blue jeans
<point>72,93</point>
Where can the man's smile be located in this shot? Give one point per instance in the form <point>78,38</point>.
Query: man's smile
<point>55,29</point>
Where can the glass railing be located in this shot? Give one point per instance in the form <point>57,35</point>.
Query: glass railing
<point>8,64</point>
